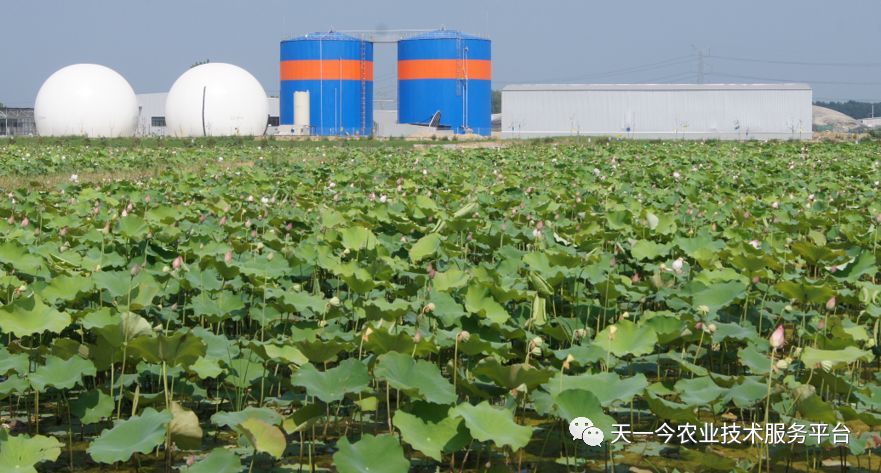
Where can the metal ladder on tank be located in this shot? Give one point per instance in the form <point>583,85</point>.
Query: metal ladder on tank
<point>462,79</point>
<point>363,88</point>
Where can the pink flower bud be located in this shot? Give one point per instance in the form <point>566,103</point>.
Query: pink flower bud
<point>178,262</point>
<point>777,338</point>
<point>227,257</point>
<point>830,304</point>
<point>25,222</point>
<point>431,271</point>
<point>635,278</point>
<point>223,220</point>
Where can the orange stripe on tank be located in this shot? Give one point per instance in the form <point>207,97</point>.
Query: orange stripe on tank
<point>415,69</point>
<point>330,69</point>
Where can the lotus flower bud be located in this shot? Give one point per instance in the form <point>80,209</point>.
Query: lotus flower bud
<point>777,338</point>
<point>429,308</point>
<point>366,335</point>
<point>223,220</point>
<point>10,220</point>
<point>677,265</point>
<point>417,337</point>
<point>635,278</point>
<point>612,331</point>
<point>711,328</point>
<point>568,361</point>
<point>782,364</point>
<point>25,222</point>
<point>227,257</point>
<point>463,336</point>
<point>177,263</point>
<point>830,304</point>
<point>755,244</point>
<point>431,271</point>
<point>136,269</point>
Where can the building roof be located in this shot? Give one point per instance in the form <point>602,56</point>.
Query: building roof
<point>325,36</point>
<point>444,34</point>
<point>658,87</point>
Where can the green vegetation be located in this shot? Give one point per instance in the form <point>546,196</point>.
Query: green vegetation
<point>231,305</point>
<point>853,108</point>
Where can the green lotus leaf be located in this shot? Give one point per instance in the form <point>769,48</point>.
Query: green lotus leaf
<point>478,300</point>
<point>371,454</point>
<point>179,349</point>
<point>232,419</point>
<point>573,403</point>
<point>331,385</point>
<point>206,368</point>
<point>512,376</point>
<point>700,391</point>
<point>425,247</point>
<point>61,374</point>
<point>717,295</point>
<point>264,437</point>
<point>137,434</point>
<point>453,278</point>
<point>184,428</point>
<point>491,424</point>
<point>19,454</point>
<point>92,407</point>
<point>133,227</point>
<point>431,438</point>
<point>29,315</point>
<point>13,363</point>
<point>608,387</point>
<point>415,377</point>
<point>220,460</point>
<point>66,288</point>
<point>813,357</point>
<point>627,338</point>
<point>358,238</point>
<point>648,250</point>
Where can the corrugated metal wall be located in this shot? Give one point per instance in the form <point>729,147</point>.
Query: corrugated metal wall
<point>658,112</point>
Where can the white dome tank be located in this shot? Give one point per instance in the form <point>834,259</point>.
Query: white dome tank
<point>216,99</point>
<point>86,100</point>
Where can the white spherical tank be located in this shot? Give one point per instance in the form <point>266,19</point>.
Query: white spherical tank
<point>216,99</point>
<point>86,100</point>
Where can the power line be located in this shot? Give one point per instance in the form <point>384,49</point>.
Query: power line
<point>629,70</point>
<point>824,82</point>
<point>797,63</point>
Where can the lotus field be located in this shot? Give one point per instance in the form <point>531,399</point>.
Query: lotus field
<point>366,307</point>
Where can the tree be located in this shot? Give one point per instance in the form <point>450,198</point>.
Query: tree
<point>497,101</point>
<point>199,63</point>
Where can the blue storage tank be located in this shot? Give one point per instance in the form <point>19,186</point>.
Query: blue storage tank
<point>337,71</point>
<point>448,72</point>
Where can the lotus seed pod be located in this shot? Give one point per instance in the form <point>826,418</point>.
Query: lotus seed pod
<point>334,301</point>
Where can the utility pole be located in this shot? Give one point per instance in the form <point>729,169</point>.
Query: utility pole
<point>700,64</point>
<point>700,67</point>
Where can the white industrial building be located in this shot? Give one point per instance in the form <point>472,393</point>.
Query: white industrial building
<point>151,114</point>
<point>658,111</point>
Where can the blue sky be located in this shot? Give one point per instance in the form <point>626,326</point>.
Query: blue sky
<point>835,46</point>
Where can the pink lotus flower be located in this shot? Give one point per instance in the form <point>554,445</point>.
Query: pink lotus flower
<point>431,271</point>
<point>635,278</point>
<point>777,338</point>
<point>830,304</point>
<point>10,220</point>
<point>25,222</point>
<point>147,198</point>
<point>227,257</point>
<point>177,263</point>
<point>755,244</point>
<point>223,220</point>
